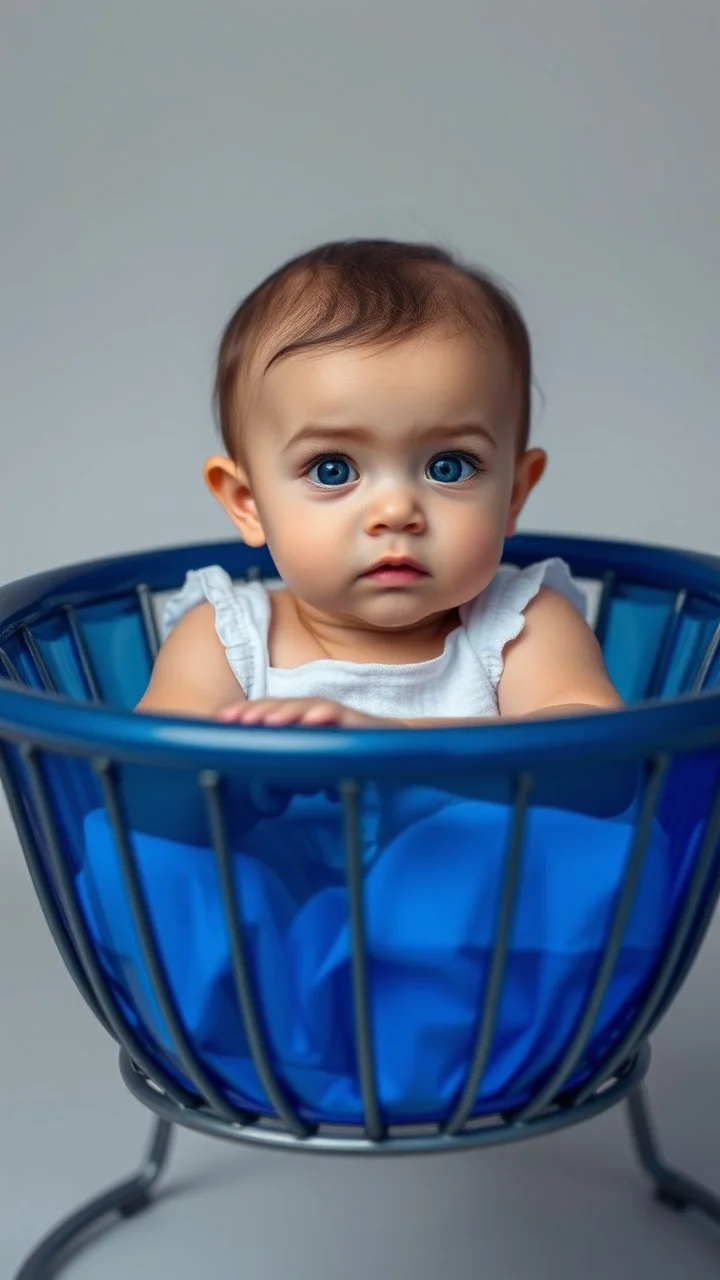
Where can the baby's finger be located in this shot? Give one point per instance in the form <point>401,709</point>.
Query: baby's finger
<point>232,714</point>
<point>250,712</point>
<point>321,714</point>
<point>288,711</point>
<point>263,710</point>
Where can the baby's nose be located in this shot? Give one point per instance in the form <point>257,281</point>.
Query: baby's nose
<point>395,508</point>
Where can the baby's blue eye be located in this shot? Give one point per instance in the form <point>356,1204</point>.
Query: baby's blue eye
<point>447,468</point>
<point>331,472</point>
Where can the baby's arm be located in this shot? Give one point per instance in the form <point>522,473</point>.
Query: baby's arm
<point>192,676</point>
<point>556,663</point>
<point>554,667</point>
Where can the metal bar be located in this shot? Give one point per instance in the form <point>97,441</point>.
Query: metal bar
<point>664,654</point>
<point>124,1199</point>
<point>401,1139</point>
<point>42,668</point>
<point>374,1127</point>
<point>115,1019</point>
<point>43,890</point>
<point>609,582</point>
<point>9,667</point>
<point>672,1187</point>
<point>147,613</point>
<point>706,664</point>
<point>700,928</point>
<point>191,1065</point>
<point>578,1042</point>
<point>506,916</point>
<point>83,653</point>
<point>657,992</point>
<point>210,784</point>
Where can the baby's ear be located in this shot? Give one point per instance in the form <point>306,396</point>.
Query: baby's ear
<point>230,484</point>
<point>529,470</point>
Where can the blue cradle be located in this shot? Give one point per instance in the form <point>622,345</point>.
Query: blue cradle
<point>305,928</point>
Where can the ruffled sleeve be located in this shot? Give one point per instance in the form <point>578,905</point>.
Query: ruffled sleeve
<point>242,617</point>
<point>497,615</point>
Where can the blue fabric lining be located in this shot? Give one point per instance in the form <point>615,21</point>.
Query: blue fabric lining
<point>433,878</point>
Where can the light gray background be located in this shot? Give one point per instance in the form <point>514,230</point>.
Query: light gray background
<point>159,158</point>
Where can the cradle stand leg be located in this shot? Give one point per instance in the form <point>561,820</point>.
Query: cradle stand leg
<point>672,1188</point>
<point>125,1199</point>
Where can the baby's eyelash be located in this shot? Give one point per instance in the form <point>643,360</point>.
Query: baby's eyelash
<point>316,458</point>
<point>460,453</point>
<point>323,457</point>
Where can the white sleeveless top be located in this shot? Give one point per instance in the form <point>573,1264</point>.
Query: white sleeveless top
<point>461,681</point>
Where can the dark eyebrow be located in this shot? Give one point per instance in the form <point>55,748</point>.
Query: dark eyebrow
<point>311,431</point>
<point>473,429</point>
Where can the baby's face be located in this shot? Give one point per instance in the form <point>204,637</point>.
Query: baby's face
<point>407,451</point>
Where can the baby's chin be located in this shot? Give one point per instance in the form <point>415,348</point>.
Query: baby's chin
<point>391,613</point>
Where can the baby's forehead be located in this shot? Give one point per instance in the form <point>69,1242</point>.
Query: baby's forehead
<point>445,366</point>
<point>398,395</point>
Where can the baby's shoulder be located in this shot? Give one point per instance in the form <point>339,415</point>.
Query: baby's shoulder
<point>550,608</point>
<point>498,614</point>
<point>191,674</point>
<point>554,661</point>
<point>195,629</point>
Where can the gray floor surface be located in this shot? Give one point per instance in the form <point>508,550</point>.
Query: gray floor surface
<point>561,1208</point>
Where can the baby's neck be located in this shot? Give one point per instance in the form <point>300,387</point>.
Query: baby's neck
<point>349,640</point>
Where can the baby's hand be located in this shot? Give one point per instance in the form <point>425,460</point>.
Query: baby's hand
<point>305,711</point>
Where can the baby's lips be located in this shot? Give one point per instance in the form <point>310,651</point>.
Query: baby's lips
<point>400,567</point>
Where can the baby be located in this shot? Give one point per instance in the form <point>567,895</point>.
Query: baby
<point>374,402</point>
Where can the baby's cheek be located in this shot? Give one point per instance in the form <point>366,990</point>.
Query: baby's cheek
<point>308,550</point>
<point>470,556</point>
<point>479,534</point>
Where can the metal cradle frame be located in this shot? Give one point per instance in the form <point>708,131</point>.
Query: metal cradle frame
<point>29,733</point>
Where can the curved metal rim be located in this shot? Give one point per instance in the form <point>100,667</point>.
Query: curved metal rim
<point>327,755</point>
<point>335,1142</point>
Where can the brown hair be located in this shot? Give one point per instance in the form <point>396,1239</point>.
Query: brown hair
<point>364,291</point>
